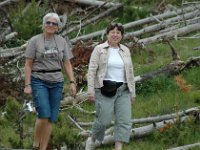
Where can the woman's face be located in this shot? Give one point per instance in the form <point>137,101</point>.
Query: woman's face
<point>114,36</point>
<point>50,26</point>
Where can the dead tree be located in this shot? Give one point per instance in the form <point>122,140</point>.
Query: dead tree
<point>93,3</point>
<point>171,34</point>
<point>156,18</point>
<point>8,2</point>
<point>175,56</point>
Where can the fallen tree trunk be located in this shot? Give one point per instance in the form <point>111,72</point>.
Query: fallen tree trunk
<point>185,147</point>
<point>139,22</point>
<point>180,23</point>
<point>10,36</point>
<point>162,24</point>
<point>92,20</point>
<point>172,69</point>
<point>71,100</point>
<point>153,119</point>
<point>7,2</point>
<point>141,131</point>
<point>12,51</point>
<point>93,3</point>
<point>171,34</point>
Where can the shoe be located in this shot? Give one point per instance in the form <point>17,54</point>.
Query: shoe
<point>35,148</point>
<point>90,145</point>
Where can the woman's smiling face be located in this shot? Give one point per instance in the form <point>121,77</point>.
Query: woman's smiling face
<point>51,25</point>
<point>114,36</point>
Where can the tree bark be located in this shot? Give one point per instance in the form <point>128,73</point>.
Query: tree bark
<point>7,2</point>
<point>185,147</point>
<point>12,51</point>
<point>162,24</point>
<point>93,3</point>
<point>71,100</point>
<point>171,34</point>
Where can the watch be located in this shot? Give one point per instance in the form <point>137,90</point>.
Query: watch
<point>72,82</point>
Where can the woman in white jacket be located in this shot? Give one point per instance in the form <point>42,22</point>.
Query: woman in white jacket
<point>111,86</point>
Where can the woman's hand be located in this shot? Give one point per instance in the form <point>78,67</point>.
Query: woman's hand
<point>73,89</point>
<point>28,89</point>
<point>91,97</point>
<point>133,100</point>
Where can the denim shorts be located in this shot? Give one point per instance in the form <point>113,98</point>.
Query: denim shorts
<point>46,97</point>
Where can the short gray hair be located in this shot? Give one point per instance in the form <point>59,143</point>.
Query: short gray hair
<point>52,15</point>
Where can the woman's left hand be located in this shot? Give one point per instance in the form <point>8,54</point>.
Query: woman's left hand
<point>73,90</point>
<point>133,100</point>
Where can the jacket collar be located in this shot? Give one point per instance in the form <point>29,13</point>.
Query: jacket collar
<point>106,45</point>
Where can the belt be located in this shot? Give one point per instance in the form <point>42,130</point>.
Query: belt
<point>47,71</point>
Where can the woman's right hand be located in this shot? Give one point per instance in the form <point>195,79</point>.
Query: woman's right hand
<point>28,89</point>
<point>91,97</point>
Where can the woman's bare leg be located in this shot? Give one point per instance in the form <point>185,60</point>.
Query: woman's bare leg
<point>37,132</point>
<point>43,129</point>
<point>118,145</point>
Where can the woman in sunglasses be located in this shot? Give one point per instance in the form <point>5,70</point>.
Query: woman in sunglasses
<point>47,54</point>
<point>111,85</point>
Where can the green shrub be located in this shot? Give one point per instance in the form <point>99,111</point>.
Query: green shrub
<point>27,22</point>
<point>65,133</point>
<point>178,134</point>
<point>160,83</point>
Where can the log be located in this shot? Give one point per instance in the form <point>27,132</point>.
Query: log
<point>71,100</point>
<point>171,34</point>
<point>92,20</point>
<point>185,147</point>
<point>171,69</point>
<point>7,2</point>
<point>155,118</point>
<point>139,22</point>
<point>10,36</point>
<point>162,24</point>
<point>10,52</point>
<point>142,131</point>
<point>180,23</point>
<point>93,3</point>
<point>166,117</point>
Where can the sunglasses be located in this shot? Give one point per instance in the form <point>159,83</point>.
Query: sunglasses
<point>51,23</point>
<point>116,24</point>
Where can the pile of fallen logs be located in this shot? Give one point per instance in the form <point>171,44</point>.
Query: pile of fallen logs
<point>168,25</point>
<point>171,24</point>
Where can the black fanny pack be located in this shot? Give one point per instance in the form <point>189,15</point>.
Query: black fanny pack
<point>109,88</point>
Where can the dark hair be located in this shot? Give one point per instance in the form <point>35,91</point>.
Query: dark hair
<point>119,27</point>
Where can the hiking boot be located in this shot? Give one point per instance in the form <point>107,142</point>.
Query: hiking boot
<point>90,144</point>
